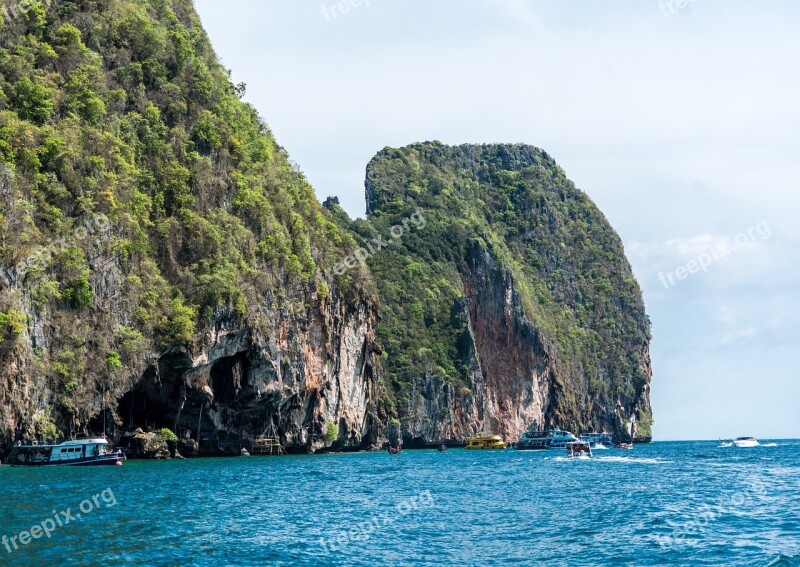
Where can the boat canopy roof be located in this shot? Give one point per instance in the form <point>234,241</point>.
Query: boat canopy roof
<point>71,443</point>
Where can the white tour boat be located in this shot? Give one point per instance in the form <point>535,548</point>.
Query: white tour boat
<point>549,439</point>
<point>80,452</point>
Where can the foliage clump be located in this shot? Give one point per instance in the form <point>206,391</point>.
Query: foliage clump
<point>167,434</point>
<point>114,361</point>
<point>331,430</point>
<point>12,325</point>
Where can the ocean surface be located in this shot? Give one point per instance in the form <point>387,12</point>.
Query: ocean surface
<point>687,503</point>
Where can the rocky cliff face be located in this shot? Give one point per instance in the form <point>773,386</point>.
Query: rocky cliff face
<point>310,369</point>
<point>290,366</point>
<point>514,378</point>
<point>164,265</point>
<point>293,368</point>
<point>509,371</point>
<point>514,307</point>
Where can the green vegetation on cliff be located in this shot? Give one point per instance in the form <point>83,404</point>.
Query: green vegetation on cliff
<point>144,206</point>
<point>116,114</point>
<point>566,262</point>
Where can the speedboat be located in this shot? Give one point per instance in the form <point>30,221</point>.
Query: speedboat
<point>579,449</point>
<point>81,452</point>
<point>598,440</point>
<point>622,445</point>
<point>486,442</point>
<point>746,442</point>
<point>550,439</point>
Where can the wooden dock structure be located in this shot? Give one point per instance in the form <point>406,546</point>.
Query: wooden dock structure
<point>265,445</point>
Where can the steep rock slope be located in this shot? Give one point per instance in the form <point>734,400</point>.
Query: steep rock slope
<point>514,304</point>
<point>164,264</point>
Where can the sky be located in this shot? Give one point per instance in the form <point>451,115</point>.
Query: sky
<point>679,118</point>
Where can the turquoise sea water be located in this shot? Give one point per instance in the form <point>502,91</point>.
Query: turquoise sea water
<point>664,503</point>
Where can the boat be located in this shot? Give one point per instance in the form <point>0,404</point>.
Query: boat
<point>598,440</point>
<point>579,449</point>
<point>486,442</point>
<point>395,450</point>
<point>81,452</point>
<point>745,442</point>
<point>549,439</point>
<point>623,446</point>
<point>442,448</point>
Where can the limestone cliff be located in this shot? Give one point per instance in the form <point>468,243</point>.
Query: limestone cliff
<point>164,264</point>
<point>515,304</point>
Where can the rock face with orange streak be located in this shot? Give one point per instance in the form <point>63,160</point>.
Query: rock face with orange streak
<point>291,378</point>
<point>510,351</point>
<point>510,371</point>
<point>513,307</point>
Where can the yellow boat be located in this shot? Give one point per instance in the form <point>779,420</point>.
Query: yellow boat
<point>486,442</point>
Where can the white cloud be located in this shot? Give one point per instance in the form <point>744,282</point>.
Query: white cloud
<point>740,335</point>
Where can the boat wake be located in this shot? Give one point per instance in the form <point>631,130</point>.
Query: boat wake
<point>769,445</point>
<point>724,445</point>
<point>630,460</point>
<point>599,447</point>
<point>634,460</point>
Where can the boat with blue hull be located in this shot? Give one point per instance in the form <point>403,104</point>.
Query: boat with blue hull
<point>598,440</point>
<point>76,453</point>
<point>541,440</point>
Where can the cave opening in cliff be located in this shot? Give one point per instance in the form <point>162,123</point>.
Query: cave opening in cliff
<point>229,377</point>
<point>154,402</point>
<point>103,423</point>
